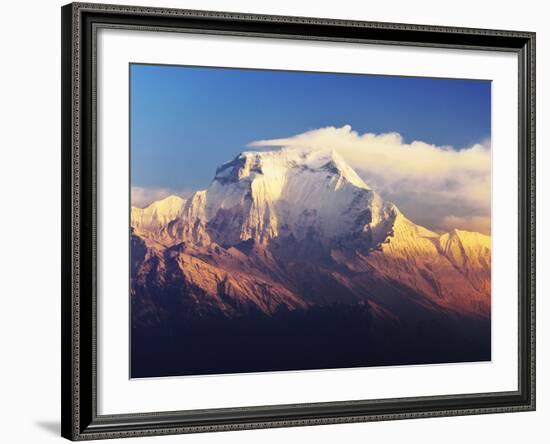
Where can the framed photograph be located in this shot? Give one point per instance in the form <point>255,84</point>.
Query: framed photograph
<point>281,221</point>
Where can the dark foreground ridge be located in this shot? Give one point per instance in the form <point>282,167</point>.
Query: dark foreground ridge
<point>319,338</point>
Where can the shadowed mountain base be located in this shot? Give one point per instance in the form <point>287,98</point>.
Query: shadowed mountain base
<point>319,338</point>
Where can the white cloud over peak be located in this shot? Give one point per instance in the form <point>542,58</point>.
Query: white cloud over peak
<point>436,186</point>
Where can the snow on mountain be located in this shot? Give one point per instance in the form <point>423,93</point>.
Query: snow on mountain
<point>158,214</point>
<point>288,192</point>
<point>467,248</point>
<point>430,264</point>
<point>296,228</point>
<point>471,253</point>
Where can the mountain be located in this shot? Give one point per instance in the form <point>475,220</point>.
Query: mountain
<point>290,233</point>
<point>157,215</point>
<point>267,210</point>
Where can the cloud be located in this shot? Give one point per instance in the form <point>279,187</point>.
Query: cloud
<point>143,196</point>
<point>431,184</point>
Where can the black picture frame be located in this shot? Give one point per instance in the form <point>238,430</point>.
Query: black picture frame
<point>80,22</point>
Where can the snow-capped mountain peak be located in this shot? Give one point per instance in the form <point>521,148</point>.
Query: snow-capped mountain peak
<point>296,192</point>
<point>158,214</point>
<point>278,163</point>
<point>262,195</point>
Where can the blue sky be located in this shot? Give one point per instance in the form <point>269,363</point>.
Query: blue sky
<point>186,121</point>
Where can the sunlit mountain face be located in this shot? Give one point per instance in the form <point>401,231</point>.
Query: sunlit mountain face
<point>290,261</point>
